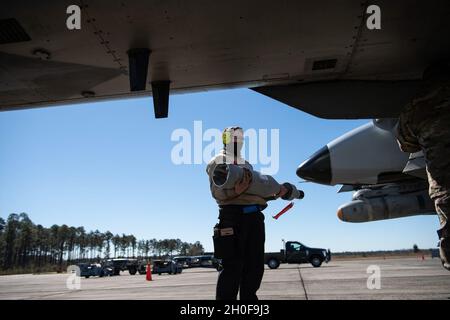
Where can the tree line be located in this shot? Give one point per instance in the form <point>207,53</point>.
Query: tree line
<point>25,245</point>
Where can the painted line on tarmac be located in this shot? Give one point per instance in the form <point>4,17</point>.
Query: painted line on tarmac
<point>303,283</point>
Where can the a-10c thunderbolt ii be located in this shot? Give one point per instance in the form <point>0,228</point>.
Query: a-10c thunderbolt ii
<point>388,183</point>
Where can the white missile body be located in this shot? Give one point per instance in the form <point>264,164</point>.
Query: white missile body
<point>389,202</point>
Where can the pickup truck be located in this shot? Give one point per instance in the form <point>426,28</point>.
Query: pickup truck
<point>295,252</point>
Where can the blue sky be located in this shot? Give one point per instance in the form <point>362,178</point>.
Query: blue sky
<point>108,166</point>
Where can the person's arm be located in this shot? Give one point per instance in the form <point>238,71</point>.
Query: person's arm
<point>222,194</point>
<point>230,181</point>
<point>283,191</point>
<point>266,187</point>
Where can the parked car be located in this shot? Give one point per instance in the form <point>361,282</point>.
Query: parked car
<point>122,264</point>
<point>184,261</point>
<point>206,261</point>
<point>166,266</point>
<point>195,261</point>
<point>94,270</point>
<point>142,266</point>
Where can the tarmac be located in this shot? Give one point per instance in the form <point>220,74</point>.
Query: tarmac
<point>402,278</point>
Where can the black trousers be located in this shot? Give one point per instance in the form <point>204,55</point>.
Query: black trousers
<point>245,270</point>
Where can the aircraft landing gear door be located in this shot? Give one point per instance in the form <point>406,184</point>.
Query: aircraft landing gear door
<point>296,252</point>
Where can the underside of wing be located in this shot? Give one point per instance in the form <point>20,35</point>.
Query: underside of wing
<point>319,56</point>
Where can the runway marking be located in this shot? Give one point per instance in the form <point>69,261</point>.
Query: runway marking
<point>303,283</point>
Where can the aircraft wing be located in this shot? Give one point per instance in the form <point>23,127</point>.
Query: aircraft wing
<point>317,56</point>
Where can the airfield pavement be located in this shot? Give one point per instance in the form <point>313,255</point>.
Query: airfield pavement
<point>401,278</point>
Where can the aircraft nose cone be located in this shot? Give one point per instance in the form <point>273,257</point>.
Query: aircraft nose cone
<point>317,168</point>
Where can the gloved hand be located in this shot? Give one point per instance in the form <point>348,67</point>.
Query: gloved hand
<point>292,192</point>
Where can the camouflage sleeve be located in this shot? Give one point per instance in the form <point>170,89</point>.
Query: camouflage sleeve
<point>406,138</point>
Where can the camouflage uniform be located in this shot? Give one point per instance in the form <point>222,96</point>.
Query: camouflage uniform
<point>424,125</point>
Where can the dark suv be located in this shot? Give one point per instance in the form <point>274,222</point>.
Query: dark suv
<point>166,266</point>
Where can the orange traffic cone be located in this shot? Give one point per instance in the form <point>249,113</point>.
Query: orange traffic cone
<point>148,277</point>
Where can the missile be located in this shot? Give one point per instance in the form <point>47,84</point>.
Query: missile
<point>368,159</point>
<point>390,202</point>
<point>366,155</point>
